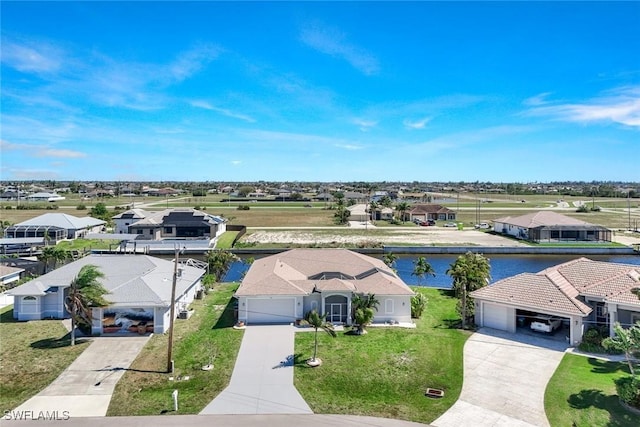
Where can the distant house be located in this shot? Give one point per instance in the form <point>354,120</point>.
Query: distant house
<point>281,288</point>
<point>548,226</point>
<point>435,212</point>
<point>178,223</point>
<point>45,197</point>
<point>123,220</point>
<point>9,275</point>
<point>139,290</point>
<point>358,212</point>
<point>582,293</point>
<point>55,227</point>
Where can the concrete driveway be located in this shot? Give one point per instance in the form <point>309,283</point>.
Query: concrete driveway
<point>505,376</point>
<point>262,378</point>
<point>84,389</point>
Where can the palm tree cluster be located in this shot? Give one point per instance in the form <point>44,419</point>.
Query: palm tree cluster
<point>469,272</point>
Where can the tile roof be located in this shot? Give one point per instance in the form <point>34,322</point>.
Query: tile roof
<point>298,271</point>
<point>428,208</point>
<point>561,287</point>
<point>541,218</point>
<point>130,279</point>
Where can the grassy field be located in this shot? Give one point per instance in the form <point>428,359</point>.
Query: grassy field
<point>582,393</point>
<point>385,373</point>
<point>207,337</point>
<point>32,355</point>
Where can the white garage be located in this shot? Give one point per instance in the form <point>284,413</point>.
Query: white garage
<point>497,317</point>
<point>269,310</point>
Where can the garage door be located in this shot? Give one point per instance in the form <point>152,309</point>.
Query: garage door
<point>495,316</point>
<point>270,310</point>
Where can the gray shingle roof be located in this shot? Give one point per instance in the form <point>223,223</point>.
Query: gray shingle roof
<point>130,279</point>
<point>540,218</point>
<point>61,220</point>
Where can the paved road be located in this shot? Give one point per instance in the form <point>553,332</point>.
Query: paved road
<point>84,389</point>
<point>505,376</point>
<point>262,378</point>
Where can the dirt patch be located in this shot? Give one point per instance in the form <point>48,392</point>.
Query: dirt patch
<point>423,237</point>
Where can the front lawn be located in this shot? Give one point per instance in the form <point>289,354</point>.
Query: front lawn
<point>385,373</point>
<point>582,393</point>
<point>32,355</point>
<point>145,389</point>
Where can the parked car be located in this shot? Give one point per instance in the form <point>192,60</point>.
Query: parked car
<point>545,323</point>
<point>451,224</point>
<point>483,225</point>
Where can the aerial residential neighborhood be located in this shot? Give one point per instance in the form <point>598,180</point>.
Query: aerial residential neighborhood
<point>371,213</point>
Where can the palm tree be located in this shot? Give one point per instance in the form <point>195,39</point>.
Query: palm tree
<point>625,340</point>
<point>85,292</point>
<point>469,272</point>
<point>373,207</point>
<point>318,321</point>
<point>402,207</point>
<point>390,260</point>
<point>422,268</point>
<point>219,262</point>
<point>47,254</point>
<point>363,308</point>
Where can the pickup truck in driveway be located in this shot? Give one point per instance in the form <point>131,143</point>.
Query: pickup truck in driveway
<point>546,324</point>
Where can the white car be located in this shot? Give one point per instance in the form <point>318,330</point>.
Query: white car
<point>451,224</point>
<point>483,225</point>
<point>546,324</point>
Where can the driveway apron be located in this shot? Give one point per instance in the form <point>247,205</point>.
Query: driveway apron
<point>262,379</point>
<point>84,389</point>
<point>505,377</point>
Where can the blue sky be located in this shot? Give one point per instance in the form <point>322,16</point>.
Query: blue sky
<point>315,91</point>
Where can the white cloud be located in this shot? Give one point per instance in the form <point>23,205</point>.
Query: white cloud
<point>41,150</point>
<point>36,57</point>
<point>67,154</point>
<point>208,106</point>
<point>537,100</point>
<point>417,124</point>
<point>365,125</point>
<point>190,62</point>
<point>332,42</point>
<point>621,105</point>
<point>350,147</point>
<point>236,162</point>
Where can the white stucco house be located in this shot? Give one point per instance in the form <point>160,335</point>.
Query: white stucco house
<point>56,227</point>
<point>582,293</point>
<point>281,288</point>
<point>139,291</point>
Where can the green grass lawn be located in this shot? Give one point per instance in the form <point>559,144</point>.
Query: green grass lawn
<point>385,373</point>
<point>32,355</point>
<point>582,393</point>
<point>145,389</point>
<point>225,241</point>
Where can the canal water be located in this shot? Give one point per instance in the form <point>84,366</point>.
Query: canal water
<point>502,266</point>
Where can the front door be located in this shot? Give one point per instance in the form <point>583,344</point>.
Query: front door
<point>336,308</point>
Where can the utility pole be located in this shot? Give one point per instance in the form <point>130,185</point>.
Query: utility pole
<point>173,311</point>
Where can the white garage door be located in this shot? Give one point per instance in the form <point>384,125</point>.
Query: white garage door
<point>495,316</point>
<point>271,310</point>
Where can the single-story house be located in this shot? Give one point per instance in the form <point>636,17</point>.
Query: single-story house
<point>581,292</point>
<point>281,288</point>
<point>139,290</point>
<point>432,211</point>
<point>548,226</point>
<point>45,197</point>
<point>178,223</point>
<point>9,275</point>
<point>358,212</point>
<point>56,227</point>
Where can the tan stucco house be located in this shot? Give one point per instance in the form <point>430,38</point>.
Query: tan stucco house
<point>581,292</point>
<point>281,288</point>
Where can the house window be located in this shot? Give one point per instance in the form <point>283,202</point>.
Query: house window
<point>139,231</point>
<point>388,306</point>
<point>635,317</point>
<point>151,232</point>
<point>29,299</point>
<point>168,230</point>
